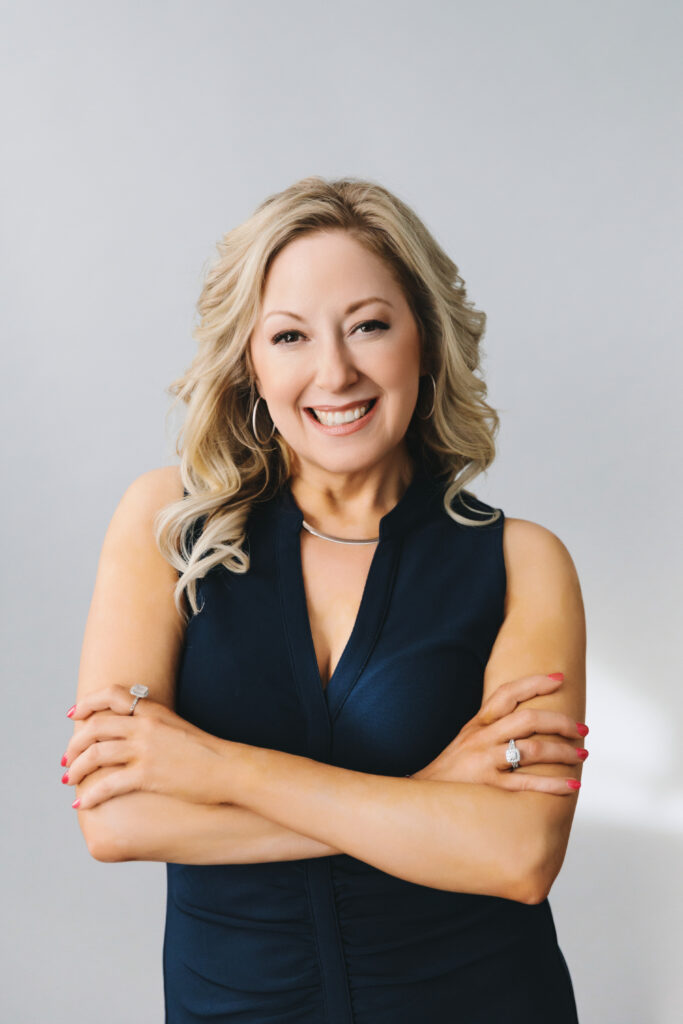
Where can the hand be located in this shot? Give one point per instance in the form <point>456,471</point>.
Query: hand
<point>154,750</point>
<point>477,754</point>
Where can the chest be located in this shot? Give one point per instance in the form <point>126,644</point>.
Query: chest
<point>334,578</point>
<point>390,668</point>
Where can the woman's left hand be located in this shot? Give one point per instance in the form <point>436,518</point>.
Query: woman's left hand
<point>154,750</point>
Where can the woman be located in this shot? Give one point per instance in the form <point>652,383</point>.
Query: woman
<point>358,737</point>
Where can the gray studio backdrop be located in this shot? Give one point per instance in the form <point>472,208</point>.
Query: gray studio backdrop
<point>540,142</point>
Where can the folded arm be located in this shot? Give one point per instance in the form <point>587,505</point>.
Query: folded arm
<point>451,835</point>
<point>134,634</point>
<point>466,837</point>
<point>156,827</point>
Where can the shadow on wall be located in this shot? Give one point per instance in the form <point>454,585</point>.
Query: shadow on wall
<point>617,904</point>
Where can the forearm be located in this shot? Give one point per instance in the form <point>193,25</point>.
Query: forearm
<point>457,836</point>
<point>156,827</point>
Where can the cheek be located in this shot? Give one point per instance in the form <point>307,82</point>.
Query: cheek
<point>400,374</point>
<point>281,382</point>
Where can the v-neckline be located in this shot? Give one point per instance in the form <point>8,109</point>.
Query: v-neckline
<point>355,627</point>
<point>422,489</point>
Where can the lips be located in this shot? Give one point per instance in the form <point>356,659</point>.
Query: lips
<point>349,427</point>
<point>343,408</point>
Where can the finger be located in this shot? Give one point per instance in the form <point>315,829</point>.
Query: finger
<point>508,695</point>
<point>116,697</point>
<point>527,721</point>
<point>520,782</point>
<point>101,727</point>
<point>115,783</point>
<point>539,751</point>
<point>99,755</point>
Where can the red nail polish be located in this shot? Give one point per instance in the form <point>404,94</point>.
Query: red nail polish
<point>65,777</point>
<point>556,675</point>
<point>582,752</point>
<point>71,711</point>
<point>582,729</point>
<point>573,783</point>
<point>63,760</point>
<point>76,803</point>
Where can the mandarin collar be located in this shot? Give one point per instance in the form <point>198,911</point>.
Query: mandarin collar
<point>423,490</point>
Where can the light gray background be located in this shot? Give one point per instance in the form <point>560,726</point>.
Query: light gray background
<point>540,143</point>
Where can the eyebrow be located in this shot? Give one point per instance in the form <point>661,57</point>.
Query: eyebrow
<point>351,309</point>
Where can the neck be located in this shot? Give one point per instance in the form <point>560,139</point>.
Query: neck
<point>350,504</point>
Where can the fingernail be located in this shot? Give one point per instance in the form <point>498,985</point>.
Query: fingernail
<point>582,729</point>
<point>556,675</point>
<point>63,760</point>
<point>76,803</point>
<point>71,711</point>
<point>65,777</point>
<point>573,783</point>
<point>583,754</point>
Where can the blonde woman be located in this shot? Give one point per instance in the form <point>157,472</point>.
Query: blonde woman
<point>336,693</point>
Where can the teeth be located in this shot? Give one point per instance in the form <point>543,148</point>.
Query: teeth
<point>332,419</point>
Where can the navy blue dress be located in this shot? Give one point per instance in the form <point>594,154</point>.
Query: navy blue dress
<point>333,940</point>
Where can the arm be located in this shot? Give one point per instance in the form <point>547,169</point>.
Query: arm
<point>134,634</point>
<point>458,836</point>
<point>157,827</point>
<point>544,625</point>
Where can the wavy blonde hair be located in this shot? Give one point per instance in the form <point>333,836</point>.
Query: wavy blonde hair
<point>223,468</point>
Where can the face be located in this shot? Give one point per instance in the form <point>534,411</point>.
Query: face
<point>336,335</point>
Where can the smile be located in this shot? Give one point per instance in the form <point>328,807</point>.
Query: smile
<point>345,422</point>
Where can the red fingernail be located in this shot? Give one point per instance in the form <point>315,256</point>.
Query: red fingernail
<point>582,729</point>
<point>65,777</point>
<point>582,752</point>
<point>573,783</point>
<point>71,711</point>
<point>76,803</point>
<point>556,675</point>
<point>63,760</point>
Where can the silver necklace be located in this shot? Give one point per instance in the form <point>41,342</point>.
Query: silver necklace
<point>338,540</point>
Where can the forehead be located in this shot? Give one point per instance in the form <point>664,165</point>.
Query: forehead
<point>326,266</point>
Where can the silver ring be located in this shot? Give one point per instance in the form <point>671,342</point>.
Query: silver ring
<point>138,691</point>
<point>512,755</point>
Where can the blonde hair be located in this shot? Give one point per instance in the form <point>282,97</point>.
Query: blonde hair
<point>223,468</point>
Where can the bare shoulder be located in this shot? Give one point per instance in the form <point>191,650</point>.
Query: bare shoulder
<point>537,563</point>
<point>154,489</point>
<point>134,632</point>
<point>543,628</point>
<point>130,534</point>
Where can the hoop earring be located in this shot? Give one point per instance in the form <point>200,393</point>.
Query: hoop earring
<point>253,424</point>
<point>431,412</point>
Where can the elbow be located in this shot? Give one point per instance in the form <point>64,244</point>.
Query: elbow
<point>531,888</point>
<point>102,844</point>
<point>103,853</point>
<point>533,883</point>
<point>537,890</point>
<point>541,875</point>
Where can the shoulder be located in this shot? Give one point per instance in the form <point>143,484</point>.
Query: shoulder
<point>153,489</point>
<point>538,564</point>
<point>132,526</point>
<point>543,627</point>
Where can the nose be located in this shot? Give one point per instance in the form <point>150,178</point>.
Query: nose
<point>335,370</point>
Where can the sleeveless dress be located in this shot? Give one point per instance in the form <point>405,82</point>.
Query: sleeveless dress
<point>334,940</point>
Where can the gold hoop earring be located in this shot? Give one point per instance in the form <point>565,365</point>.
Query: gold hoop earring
<point>431,411</point>
<point>253,424</point>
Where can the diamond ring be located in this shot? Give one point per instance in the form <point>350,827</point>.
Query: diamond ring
<point>138,691</point>
<point>512,755</point>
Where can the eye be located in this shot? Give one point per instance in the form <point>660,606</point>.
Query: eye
<point>283,334</point>
<point>372,324</point>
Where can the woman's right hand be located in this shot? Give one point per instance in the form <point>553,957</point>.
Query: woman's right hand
<point>477,754</point>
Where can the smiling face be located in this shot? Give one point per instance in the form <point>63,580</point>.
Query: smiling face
<point>336,334</point>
